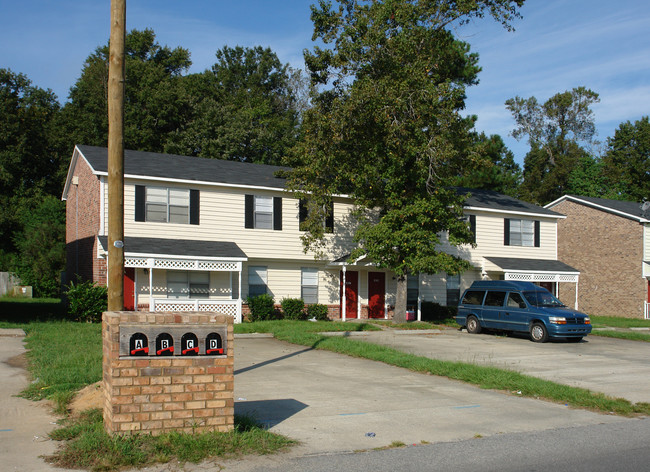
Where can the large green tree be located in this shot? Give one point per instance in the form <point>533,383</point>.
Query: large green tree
<point>156,103</point>
<point>244,109</point>
<point>557,130</point>
<point>386,128</point>
<point>627,160</point>
<point>30,168</point>
<point>495,169</point>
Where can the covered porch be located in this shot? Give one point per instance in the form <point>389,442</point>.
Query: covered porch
<point>170,275</point>
<point>549,273</point>
<point>369,291</point>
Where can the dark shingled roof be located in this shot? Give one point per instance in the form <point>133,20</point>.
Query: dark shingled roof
<point>531,265</point>
<point>171,166</point>
<point>179,247</point>
<point>496,201</point>
<point>632,209</point>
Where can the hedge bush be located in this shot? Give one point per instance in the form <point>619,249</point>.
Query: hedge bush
<point>317,311</point>
<point>262,307</point>
<point>294,309</point>
<point>87,301</point>
<point>435,312</point>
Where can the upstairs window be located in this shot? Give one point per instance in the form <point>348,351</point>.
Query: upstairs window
<point>521,232</point>
<point>303,214</point>
<point>262,212</point>
<point>471,223</point>
<point>166,205</point>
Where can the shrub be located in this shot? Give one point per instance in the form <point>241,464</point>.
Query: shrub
<point>294,309</point>
<point>435,312</point>
<point>262,307</point>
<point>317,311</point>
<point>87,301</point>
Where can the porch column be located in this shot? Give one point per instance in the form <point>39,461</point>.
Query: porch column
<point>343,289</point>
<point>239,300</point>
<point>419,299</point>
<point>576,307</point>
<point>150,265</point>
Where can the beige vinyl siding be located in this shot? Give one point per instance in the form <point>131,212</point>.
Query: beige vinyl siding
<point>490,240</point>
<point>222,219</point>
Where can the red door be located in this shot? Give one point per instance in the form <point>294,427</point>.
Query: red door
<point>351,290</point>
<point>376,294</point>
<point>129,289</point>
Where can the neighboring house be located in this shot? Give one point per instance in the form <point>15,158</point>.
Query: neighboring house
<point>204,234</point>
<point>609,242</point>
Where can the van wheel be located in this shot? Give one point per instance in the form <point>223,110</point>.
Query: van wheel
<point>473,326</point>
<point>538,333</point>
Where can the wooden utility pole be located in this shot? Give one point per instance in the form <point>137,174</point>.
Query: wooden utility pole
<point>116,81</point>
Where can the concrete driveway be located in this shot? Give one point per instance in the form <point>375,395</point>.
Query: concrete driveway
<point>616,367</point>
<point>335,403</point>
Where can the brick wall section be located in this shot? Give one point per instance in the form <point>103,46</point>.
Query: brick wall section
<point>162,394</point>
<point>608,251</point>
<point>82,226</point>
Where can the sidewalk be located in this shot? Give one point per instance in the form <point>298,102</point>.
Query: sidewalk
<point>24,424</point>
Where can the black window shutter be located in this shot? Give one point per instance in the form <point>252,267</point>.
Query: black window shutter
<point>248,211</point>
<point>302,211</point>
<point>329,218</point>
<point>472,226</point>
<point>194,207</point>
<point>537,241</point>
<point>506,231</point>
<point>140,202</point>
<point>277,213</point>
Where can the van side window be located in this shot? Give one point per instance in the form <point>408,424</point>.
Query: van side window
<point>495,298</point>
<point>473,297</point>
<point>515,300</point>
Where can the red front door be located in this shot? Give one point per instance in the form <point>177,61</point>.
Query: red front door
<point>376,294</point>
<point>129,289</point>
<point>351,291</point>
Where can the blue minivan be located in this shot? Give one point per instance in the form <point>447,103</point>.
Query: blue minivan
<point>520,307</point>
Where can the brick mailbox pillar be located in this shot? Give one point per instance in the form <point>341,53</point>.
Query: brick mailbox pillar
<point>168,372</point>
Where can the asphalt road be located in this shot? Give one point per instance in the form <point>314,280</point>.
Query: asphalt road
<point>620,447</point>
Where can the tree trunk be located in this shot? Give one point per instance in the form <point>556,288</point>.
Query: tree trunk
<point>399,315</point>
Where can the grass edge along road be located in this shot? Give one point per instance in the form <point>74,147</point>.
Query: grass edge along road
<point>58,377</point>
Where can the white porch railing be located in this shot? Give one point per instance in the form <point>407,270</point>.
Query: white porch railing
<point>227,307</point>
<point>646,310</point>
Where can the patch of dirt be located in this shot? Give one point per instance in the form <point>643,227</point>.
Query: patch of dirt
<point>19,361</point>
<point>89,397</point>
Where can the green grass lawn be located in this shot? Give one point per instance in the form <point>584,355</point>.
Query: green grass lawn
<point>59,372</point>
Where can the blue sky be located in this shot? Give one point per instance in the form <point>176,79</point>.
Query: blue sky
<point>559,44</point>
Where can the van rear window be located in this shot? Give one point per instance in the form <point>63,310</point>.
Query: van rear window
<point>473,297</point>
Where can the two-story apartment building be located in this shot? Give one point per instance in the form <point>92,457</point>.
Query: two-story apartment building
<point>204,234</point>
<point>609,242</point>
